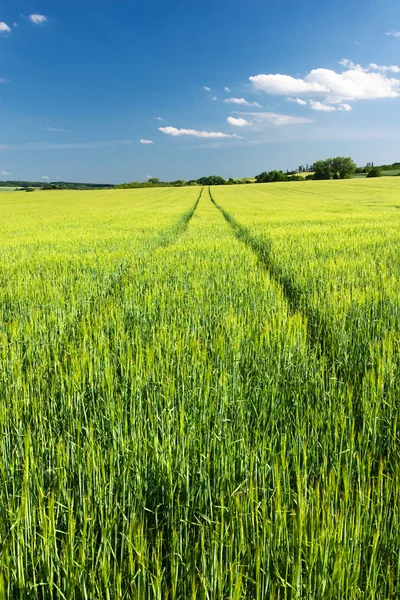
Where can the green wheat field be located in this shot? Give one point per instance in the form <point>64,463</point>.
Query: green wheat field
<point>200,393</point>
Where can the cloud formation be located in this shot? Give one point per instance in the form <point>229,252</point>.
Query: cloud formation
<point>239,122</point>
<point>54,129</point>
<point>227,90</point>
<point>298,101</point>
<point>38,19</point>
<point>383,69</point>
<point>193,132</point>
<point>355,83</point>
<point>316,105</point>
<point>394,34</point>
<point>277,119</point>
<point>142,141</point>
<point>208,89</point>
<point>4,28</point>
<point>241,101</point>
<point>4,173</point>
<point>45,177</point>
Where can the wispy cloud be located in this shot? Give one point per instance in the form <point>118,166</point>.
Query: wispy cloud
<point>193,132</point>
<point>321,106</point>
<point>76,146</point>
<point>227,90</point>
<point>384,69</point>
<point>158,118</point>
<point>142,141</point>
<point>297,101</point>
<point>239,122</point>
<point>355,83</point>
<point>2,173</point>
<point>242,101</point>
<point>45,177</point>
<point>394,34</point>
<point>277,119</point>
<point>215,97</point>
<point>4,28</point>
<point>54,129</point>
<point>208,89</point>
<point>38,19</point>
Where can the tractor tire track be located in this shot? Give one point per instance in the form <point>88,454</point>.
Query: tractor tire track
<point>319,332</point>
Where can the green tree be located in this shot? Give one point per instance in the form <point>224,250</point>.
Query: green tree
<point>343,167</point>
<point>374,172</point>
<point>323,169</point>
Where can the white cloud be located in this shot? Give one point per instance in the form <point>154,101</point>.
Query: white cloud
<point>158,118</point>
<point>227,90</point>
<point>45,177</point>
<point>277,119</point>
<point>394,34</point>
<point>215,98</point>
<point>4,28</point>
<point>239,122</point>
<point>38,19</point>
<point>383,69</point>
<point>208,89</point>
<point>316,105</point>
<point>241,101</point>
<point>4,173</point>
<point>54,129</point>
<point>355,83</point>
<point>142,141</point>
<point>298,101</point>
<point>193,132</point>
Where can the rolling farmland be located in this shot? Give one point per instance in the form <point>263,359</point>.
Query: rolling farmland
<point>199,392</point>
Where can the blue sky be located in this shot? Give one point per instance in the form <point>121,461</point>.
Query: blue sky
<point>219,87</point>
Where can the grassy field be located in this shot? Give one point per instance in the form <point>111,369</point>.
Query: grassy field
<point>200,393</point>
<point>7,189</point>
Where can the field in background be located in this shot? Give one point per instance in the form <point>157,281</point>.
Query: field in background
<point>7,189</point>
<point>200,392</point>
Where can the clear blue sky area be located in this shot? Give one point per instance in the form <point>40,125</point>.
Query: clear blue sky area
<point>120,90</point>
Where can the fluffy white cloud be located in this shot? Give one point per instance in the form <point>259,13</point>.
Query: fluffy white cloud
<point>142,141</point>
<point>241,101</point>
<point>4,28</point>
<point>239,122</point>
<point>355,83</point>
<point>394,34</point>
<point>277,119</point>
<point>193,132</point>
<point>38,19</point>
<point>208,89</point>
<point>227,90</point>
<point>158,118</point>
<point>4,173</point>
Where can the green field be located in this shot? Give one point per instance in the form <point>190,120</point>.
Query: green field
<point>200,393</point>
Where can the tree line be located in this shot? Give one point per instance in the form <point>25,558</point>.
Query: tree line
<point>339,167</point>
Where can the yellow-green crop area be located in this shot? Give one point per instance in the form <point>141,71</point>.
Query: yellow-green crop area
<point>200,393</point>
